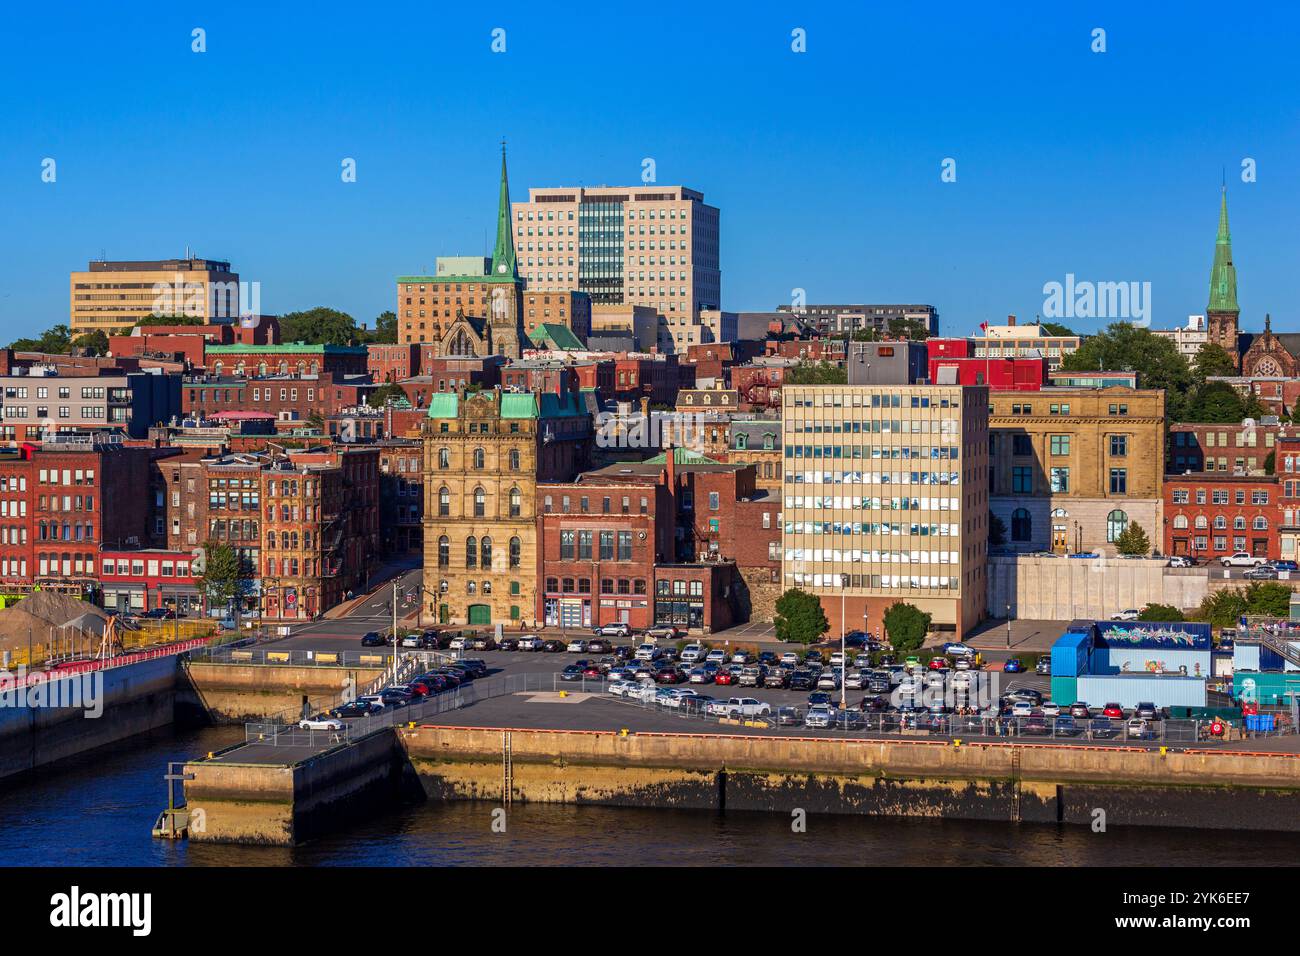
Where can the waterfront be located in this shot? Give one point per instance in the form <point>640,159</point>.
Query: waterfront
<point>97,811</point>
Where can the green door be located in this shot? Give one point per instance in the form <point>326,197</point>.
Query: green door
<point>480,614</point>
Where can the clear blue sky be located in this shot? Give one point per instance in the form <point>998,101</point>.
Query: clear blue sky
<point>825,164</point>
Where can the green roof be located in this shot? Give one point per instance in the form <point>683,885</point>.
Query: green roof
<point>1223,275</point>
<point>444,405</point>
<point>302,348</point>
<point>509,278</point>
<point>560,336</point>
<point>681,456</point>
<point>518,405</point>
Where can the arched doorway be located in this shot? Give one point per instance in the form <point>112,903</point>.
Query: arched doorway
<point>1060,530</point>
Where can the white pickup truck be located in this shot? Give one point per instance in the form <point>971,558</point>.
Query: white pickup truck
<point>739,707</point>
<point>1242,559</point>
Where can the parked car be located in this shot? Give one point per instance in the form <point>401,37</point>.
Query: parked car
<point>1050,709</point>
<point>1034,697</point>
<point>1079,710</point>
<point>1044,665</point>
<point>1064,726</point>
<point>1014,665</point>
<point>599,646</point>
<point>665,632</point>
<point>372,639</point>
<point>646,652</point>
<point>938,663</point>
<point>957,649</point>
<point>1283,565</point>
<point>357,708</point>
<point>669,674</point>
<point>553,646</point>
<point>777,678</point>
<point>742,657</point>
<point>1182,561</point>
<point>1128,614</point>
<point>530,642</point>
<point>725,677</point>
<point>802,680</point>
<point>1242,559</point>
<point>1113,711</point>
<point>1139,729</point>
<point>788,717</point>
<point>789,659</point>
<point>321,722</point>
<point>745,707</point>
<point>576,647</point>
<point>820,697</point>
<point>508,644</point>
<point>1261,573</point>
<point>572,672</point>
<point>828,680</point>
<point>1021,708</point>
<point>854,680</point>
<point>1146,710</point>
<point>819,716</point>
<point>613,630</point>
<point>692,653</point>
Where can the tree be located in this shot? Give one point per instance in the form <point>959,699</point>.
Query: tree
<point>906,626</point>
<point>94,343</point>
<point>1213,359</point>
<point>1270,463</point>
<point>223,580</point>
<point>1127,347</point>
<point>816,373</point>
<point>385,330</point>
<point>319,326</point>
<point>380,396</point>
<point>53,341</point>
<point>1160,612</point>
<point>1214,402</point>
<point>914,330</point>
<point>1269,598</point>
<point>997,531</point>
<point>799,617</point>
<point>1222,608</point>
<point>172,319</point>
<point>1055,328</point>
<point>1133,540</point>
<point>1225,607</point>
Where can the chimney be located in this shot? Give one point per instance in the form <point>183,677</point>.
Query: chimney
<point>1011,320</point>
<point>670,471</point>
<point>645,406</point>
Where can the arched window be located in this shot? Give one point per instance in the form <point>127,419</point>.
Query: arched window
<point>1220,523</point>
<point>514,552</point>
<point>516,502</point>
<point>742,441</point>
<point>1116,522</point>
<point>1239,523</point>
<point>1201,522</point>
<point>514,459</point>
<point>1261,523</point>
<point>485,553</point>
<point>444,457</point>
<point>478,458</point>
<point>444,586</point>
<point>480,502</point>
<point>1180,522</point>
<point>444,553</point>
<point>471,552</point>
<point>444,501</point>
<point>1022,525</point>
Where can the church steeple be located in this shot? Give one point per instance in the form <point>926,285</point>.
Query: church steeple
<point>503,256</point>
<point>1223,276</point>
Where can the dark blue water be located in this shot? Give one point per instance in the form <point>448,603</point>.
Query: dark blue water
<point>98,811</point>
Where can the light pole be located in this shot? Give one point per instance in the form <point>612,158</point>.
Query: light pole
<point>395,631</point>
<point>1008,625</point>
<point>844,657</point>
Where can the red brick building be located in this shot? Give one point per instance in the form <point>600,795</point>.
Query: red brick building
<point>401,496</point>
<point>286,398</point>
<point>1004,374</point>
<point>1211,515</point>
<point>1235,447</point>
<point>138,581</point>
<point>758,386</point>
<point>392,363</point>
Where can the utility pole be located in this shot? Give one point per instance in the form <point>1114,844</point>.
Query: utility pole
<point>395,630</point>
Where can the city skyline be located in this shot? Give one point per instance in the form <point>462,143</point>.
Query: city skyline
<point>1047,185</point>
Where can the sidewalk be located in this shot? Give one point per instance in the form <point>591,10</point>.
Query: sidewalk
<point>378,580</point>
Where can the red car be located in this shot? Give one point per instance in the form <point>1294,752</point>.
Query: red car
<point>938,663</point>
<point>725,677</point>
<point>1113,711</point>
<point>592,671</point>
<point>668,675</point>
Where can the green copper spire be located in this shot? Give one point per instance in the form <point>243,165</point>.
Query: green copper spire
<point>1223,277</point>
<point>503,256</point>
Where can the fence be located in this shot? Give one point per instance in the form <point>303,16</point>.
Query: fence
<point>301,658</point>
<point>290,734</point>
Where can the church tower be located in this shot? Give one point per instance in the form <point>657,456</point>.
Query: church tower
<point>1222,313</point>
<point>505,314</point>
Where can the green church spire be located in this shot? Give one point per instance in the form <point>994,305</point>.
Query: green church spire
<point>503,256</point>
<point>1223,277</point>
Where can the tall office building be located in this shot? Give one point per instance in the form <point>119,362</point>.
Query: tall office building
<point>886,500</point>
<point>651,245</point>
<point>115,295</point>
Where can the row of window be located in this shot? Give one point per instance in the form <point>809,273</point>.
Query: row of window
<point>577,545</point>
<point>1219,496</point>
<point>1258,523</point>
<point>607,585</point>
<point>478,553</point>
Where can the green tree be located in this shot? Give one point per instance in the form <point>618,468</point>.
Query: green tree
<point>906,626</point>
<point>1213,359</point>
<point>172,319</point>
<point>913,330</point>
<point>816,373</point>
<point>1160,612</point>
<point>380,396</point>
<point>53,341</point>
<point>224,577</point>
<point>95,343</point>
<point>799,617</point>
<point>1213,402</point>
<point>997,531</point>
<point>1222,608</point>
<point>385,330</point>
<point>1125,347</point>
<point>319,326</point>
<point>1270,463</point>
<point>1056,328</point>
<point>1269,598</point>
<point>1133,540</point>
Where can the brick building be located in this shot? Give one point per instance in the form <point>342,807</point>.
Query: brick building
<point>1211,515</point>
<point>392,363</point>
<point>1236,447</point>
<point>401,496</point>
<point>289,358</point>
<point>1005,374</point>
<point>135,581</point>
<point>288,397</point>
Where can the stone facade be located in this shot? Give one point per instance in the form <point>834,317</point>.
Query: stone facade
<point>1059,589</point>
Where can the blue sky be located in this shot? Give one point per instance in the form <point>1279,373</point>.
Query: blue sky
<point>825,164</point>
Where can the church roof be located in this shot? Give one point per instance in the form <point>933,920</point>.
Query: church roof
<point>1223,275</point>
<point>559,336</point>
<point>681,456</point>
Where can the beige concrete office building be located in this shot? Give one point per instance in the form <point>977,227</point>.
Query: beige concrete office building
<point>886,500</point>
<point>654,246</point>
<point>109,295</point>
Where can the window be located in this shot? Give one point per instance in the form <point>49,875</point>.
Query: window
<point>444,457</point>
<point>1022,480</point>
<point>471,552</point>
<point>478,459</point>
<point>514,552</point>
<point>444,552</point>
<point>1021,525</point>
<point>1116,522</point>
<point>516,502</point>
<point>485,553</point>
<point>480,502</point>
<point>514,459</point>
<point>1060,480</point>
<point>1119,481</point>
<point>1021,445</point>
<point>567,545</point>
<point>1060,444</point>
<point>1118,446</point>
<point>444,501</point>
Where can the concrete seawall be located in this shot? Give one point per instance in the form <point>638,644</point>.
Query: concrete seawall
<point>135,699</point>
<point>231,693</point>
<point>897,778</point>
<point>285,804</point>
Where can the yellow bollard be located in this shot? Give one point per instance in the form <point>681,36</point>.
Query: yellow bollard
<point>956,742</point>
<point>564,693</point>
<point>1164,751</point>
<point>623,732</point>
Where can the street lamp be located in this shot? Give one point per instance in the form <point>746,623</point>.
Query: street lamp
<point>844,657</point>
<point>1008,625</point>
